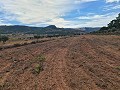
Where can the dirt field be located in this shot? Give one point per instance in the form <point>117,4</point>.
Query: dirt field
<point>76,63</point>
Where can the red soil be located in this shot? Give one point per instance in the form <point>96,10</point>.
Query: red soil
<point>77,63</point>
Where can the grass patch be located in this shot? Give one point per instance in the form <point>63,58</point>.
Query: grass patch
<point>38,68</point>
<point>39,64</point>
<point>1,55</point>
<point>40,58</point>
<point>118,67</point>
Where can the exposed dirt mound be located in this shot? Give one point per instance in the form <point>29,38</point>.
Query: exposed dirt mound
<point>75,63</point>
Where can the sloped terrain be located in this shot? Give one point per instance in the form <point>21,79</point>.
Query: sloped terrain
<point>77,63</point>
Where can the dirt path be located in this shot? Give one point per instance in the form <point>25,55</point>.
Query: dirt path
<point>75,63</point>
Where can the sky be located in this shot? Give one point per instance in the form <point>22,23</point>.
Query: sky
<point>62,13</point>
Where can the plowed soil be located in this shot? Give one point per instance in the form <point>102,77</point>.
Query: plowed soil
<point>85,62</point>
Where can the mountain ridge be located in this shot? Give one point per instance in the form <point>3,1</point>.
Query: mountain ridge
<point>51,29</point>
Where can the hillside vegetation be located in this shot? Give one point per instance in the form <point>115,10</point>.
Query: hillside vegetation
<point>112,28</point>
<point>49,30</point>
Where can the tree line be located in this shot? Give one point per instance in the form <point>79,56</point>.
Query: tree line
<point>112,28</point>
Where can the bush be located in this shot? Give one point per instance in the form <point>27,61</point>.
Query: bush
<point>33,42</point>
<point>4,39</point>
<point>38,37</point>
<point>25,43</point>
<point>41,58</point>
<point>17,45</point>
<point>118,67</point>
<point>38,68</point>
<point>39,64</point>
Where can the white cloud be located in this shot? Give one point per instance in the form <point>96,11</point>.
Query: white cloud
<point>59,21</point>
<point>111,1</point>
<point>38,11</point>
<point>46,12</point>
<point>97,20</point>
<point>116,7</point>
<point>92,17</point>
<point>82,1</point>
<point>29,11</point>
<point>111,7</point>
<point>91,21</point>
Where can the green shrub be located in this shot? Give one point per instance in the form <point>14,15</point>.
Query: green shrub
<point>118,67</point>
<point>38,68</point>
<point>17,45</point>
<point>4,39</point>
<point>33,42</point>
<point>41,58</point>
<point>38,64</point>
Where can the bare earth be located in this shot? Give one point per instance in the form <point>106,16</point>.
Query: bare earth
<point>76,63</point>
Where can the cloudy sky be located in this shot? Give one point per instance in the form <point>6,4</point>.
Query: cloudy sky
<point>62,13</point>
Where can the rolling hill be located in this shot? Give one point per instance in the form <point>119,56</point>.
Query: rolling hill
<point>49,30</point>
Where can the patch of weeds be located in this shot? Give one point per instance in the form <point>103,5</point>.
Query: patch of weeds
<point>1,55</point>
<point>36,84</point>
<point>33,42</point>
<point>39,64</point>
<point>118,67</point>
<point>102,85</point>
<point>25,43</point>
<point>6,86</point>
<point>2,87</point>
<point>40,58</point>
<point>17,45</point>
<point>38,68</point>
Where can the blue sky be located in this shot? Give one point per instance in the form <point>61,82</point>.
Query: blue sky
<point>62,13</point>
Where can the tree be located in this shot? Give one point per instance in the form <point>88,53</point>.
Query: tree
<point>118,21</point>
<point>36,37</point>
<point>118,18</point>
<point>113,27</point>
<point>115,23</point>
<point>104,28</point>
<point>3,39</point>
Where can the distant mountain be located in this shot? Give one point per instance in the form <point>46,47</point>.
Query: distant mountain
<point>90,29</point>
<point>49,30</point>
<point>51,26</point>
